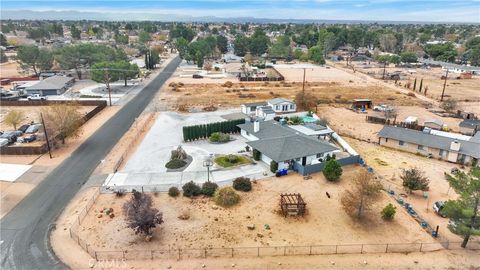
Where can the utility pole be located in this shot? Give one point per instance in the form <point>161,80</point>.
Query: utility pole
<point>46,136</point>
<point>303,85</point>
<point>384,66</point>
<point>444,85</point>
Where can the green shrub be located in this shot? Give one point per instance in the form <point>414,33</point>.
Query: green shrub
<point>219,137</point>
<point>173,192</point>
<point>242,184</point>
<point>175,164</point>
<point>208,188</point>
<point>389,212</point>
<point>296,120</point>
<point>226,197</point>
<point>332,170</point>
<point>191,189</point>
<point>273,166</point>
<point>231,160</point>
<point>256,154</point>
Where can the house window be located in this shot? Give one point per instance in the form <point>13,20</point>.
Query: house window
<point>441,152</point>
<point>291,106</point>
<point>386,139</point>
<point>401,143</point>
<point>320,155</point>
<point>277,107</point>
<point>421,147</point>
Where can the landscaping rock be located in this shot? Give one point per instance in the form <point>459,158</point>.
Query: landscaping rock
<point>259,235</point>
<point>99,215</point>
<point>184,216</point>
<point>251,227</point>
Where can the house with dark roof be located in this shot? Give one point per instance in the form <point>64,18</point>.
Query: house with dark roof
<point>469,126</point>
<point>449,148</point>
<point>54,85</point>
<point>304,149</point>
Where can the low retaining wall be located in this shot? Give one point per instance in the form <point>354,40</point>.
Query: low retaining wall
<point>309,169</point>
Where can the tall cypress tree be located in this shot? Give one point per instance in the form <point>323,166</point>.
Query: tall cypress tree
<point>421,84</point>
<point>415,85</point>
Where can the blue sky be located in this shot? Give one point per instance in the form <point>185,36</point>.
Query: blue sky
<point>406,10</point>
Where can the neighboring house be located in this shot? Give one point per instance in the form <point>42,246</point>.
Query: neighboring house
<point>281,105</point>
<point>55,85</point>
<point>284,145</point>
<point>251,108</point>
<point>469,126</point>
<point>440,147</point>
<point>433,124</point>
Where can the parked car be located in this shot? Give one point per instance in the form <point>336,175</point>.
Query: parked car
<point>197,76</point>
<point>3,142</point>
<point>36,97</point>
<point>11,137</point>
<point>437,207</point>
<point>29,138</point>
<point>33,128</point>
<point>382,108</point>
<point>23,128</point>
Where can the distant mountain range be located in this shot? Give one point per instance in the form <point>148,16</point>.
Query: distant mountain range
<point>137,16</point>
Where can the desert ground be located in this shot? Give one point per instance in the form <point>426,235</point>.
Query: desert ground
<point>9,69</point>
<point>210,226</point>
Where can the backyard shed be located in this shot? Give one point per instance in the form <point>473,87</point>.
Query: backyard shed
<point>362,103</point>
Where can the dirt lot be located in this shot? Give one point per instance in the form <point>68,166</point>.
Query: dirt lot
<point>9,69</point>
<point>212,227</point>
<point>197,96</point>
<point>31,113</point>
<point>352,124</point>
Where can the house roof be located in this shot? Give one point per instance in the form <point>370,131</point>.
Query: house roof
<point>267,109</point>
<point>291,147</point>
<point>268,129</point>
<point>470,148</point>
<point>362,100</point>
<point>470,123</point>
<point>276,101</point>
<point>434,121</point>
<point>255,104</point>
<point>51,83</point>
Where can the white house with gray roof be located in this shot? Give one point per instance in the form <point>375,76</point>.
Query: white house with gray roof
<point>447,148</point>
<point>282,105</point>
<point>55,85</point>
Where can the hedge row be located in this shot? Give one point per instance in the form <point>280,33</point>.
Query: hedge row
<point>191,133</point>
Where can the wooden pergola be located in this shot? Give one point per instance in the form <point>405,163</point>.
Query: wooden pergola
<point>292,204</point>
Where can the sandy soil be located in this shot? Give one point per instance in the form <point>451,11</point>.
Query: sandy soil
<point>352,124</point>
<point>31,113</point>
<point>70,252</point>
<point>9,69</point>
<point>199,96</point>
<point>210,226</point>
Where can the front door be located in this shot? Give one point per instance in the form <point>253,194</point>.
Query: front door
<point>304,161</point>
<point>284,108</point>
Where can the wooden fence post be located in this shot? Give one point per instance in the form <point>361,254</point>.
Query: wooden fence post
<point>284,250</point>
<point>205,253</point>
<point>258,251</point>
<point>151,254</point>
<point>386,249</point>
<point>361,251</point>
<point>179,254</point>
<point>310,251</point>
<point>336,249</point>
<point>232,252</point>
<point>421,244</point>
<point>96,258</point>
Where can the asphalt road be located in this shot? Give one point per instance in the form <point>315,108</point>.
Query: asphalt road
<point>24,239</point>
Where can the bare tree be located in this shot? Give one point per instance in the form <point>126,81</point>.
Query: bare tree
<point>64,120</point>
<point>14,118</point>
<point>140,215</point>
<point>391,112</point>
<point>449,105</point>
<point>362,195</point>
<point>305,101</point>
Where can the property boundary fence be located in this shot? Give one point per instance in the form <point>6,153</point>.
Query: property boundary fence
<point>231,252</point>
<point>383,121</point>
<point>151,117</point>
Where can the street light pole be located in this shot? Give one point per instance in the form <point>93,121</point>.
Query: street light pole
<point>303,85</point>
<point>46,136</point>
<point>208,163</point>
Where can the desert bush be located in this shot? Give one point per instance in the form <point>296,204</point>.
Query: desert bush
<point>119,192</point>
<point>180,84</point>
<point>389,212</point>
<point>173,192</point>
<point>191,189</point>
<point>227,84</point>
<point>242,184</point>
<point>296,120</point>
<point>219,137</point>
<point>256,154</point>
<point>226,197</point>
<point>172,84</point>
<point>449,105</point>
<point>414,179</point>
<point>175,164</point>
<point>273,166</point>
<point>410,94</point>
<point>208,188</point>
<point>332,170</point>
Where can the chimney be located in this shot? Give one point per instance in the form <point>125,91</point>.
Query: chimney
<point>256,126</point>
<point>455,146</point>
